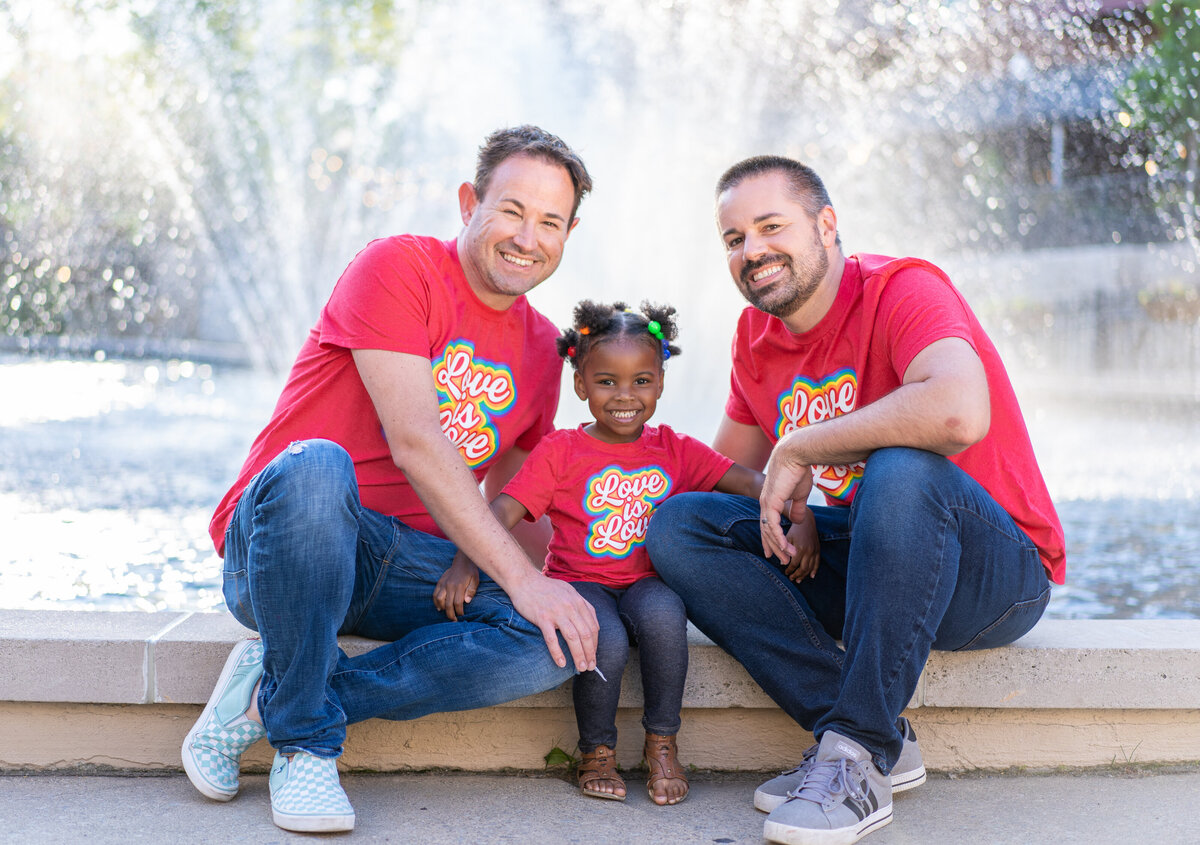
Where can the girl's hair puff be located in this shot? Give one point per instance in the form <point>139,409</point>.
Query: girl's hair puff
<point>596,323</point>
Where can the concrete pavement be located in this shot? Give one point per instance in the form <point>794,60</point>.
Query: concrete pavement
<point>1088,806</point>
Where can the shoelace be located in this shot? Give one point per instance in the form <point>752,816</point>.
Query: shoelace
<point>828,779</point>
<point>805,760</point>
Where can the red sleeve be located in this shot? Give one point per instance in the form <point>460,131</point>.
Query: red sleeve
<point>382,300</point>
<point>917,308</point>
<point>700,466</point>
<point>535,482</point>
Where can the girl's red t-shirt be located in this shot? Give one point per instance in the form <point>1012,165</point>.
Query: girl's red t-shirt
<point>601,496</point>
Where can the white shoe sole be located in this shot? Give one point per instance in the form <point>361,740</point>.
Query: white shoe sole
<point>786,834</point>
<point>908,780</point>
<point>312,824</point>
<point>767,801</point>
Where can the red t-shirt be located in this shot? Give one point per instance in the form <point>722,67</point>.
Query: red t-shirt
<point>600,497</point>
<point>886,311</point>
<point>497,373</point>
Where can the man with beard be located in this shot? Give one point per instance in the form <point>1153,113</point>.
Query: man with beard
<point>427,373</point>
<point>870,379</point>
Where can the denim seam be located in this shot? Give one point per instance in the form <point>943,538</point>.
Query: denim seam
<point>400,657</point>
<point>385,565</point>
<point>773,571</point>
<point>483,596</point>
<point>921,621</point>
<point>666,730</point>
<point>807,623</point>
<point>727,526</point>
<point>631,627</point>
<point>1041,598</point>
<point>236,575</point>
<point>1020,537</point>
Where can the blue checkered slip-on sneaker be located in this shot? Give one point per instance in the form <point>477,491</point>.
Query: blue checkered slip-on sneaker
<point>908,772</point>
<point>306,794</point>
<point>842,799</point>
<point>213,748</point>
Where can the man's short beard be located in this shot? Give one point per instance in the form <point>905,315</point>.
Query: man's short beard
<point>791,293</point>
<point>786,306</point>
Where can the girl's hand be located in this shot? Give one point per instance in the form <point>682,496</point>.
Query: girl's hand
<point>456,587</point>
<point>803,537</point>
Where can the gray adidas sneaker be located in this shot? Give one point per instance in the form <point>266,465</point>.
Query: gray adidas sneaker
<point>843,798</point>
<point>908,772</point>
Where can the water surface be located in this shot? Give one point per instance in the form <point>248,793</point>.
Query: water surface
<point>109,471</point>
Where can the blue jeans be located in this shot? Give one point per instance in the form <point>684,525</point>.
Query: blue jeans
<point>653,616</point>
<point>305,562</point>
<point>924,558</point>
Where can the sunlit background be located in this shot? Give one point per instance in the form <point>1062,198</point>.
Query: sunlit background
<point>182,182</point>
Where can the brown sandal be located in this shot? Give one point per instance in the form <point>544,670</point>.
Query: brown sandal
<point>663,763</point>
<point>596,767</point>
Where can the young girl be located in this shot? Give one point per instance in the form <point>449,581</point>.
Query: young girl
<point>600,484</point>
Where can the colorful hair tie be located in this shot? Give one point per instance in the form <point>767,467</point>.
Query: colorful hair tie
<point>585,330</point>
<point>570,351</point>
<point>666,349</point>
<point>655,329</point>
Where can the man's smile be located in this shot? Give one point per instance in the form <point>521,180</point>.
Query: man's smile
<point>518,260</point>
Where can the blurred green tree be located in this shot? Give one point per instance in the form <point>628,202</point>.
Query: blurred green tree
<point>1160,107</point>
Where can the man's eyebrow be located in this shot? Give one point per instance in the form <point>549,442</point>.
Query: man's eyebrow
<point>521,206</point>
<point>760,218</point>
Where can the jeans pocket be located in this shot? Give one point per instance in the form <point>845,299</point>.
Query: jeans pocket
<point>1014,623</point>
<point>236,589</point>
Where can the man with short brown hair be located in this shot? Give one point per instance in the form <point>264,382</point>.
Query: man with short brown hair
<point>426,374</point>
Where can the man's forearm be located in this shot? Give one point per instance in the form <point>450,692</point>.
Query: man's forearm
<point>913,415</point>
<point>451,495</point>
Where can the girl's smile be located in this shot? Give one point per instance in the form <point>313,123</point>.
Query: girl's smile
<point>621,380</point>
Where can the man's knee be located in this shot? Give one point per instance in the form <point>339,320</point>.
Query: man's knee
<point>672,519</point>
<point>315,476</point>
<point>904,466</point>
<point>666,517</point>
<point>899,477</point>
<point>313,462</point>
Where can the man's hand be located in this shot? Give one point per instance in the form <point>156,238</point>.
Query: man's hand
<point>456,587</point>
<point>788,479</point>
<point>554,606</point>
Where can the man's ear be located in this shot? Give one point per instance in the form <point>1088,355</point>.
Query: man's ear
<point>571,228</point>
<point>467,201</point>
<point>827,226</point>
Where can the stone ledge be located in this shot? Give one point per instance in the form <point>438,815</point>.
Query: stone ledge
<point>1080,663</point>
<point>104,657</point>
<point>121,690</point>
